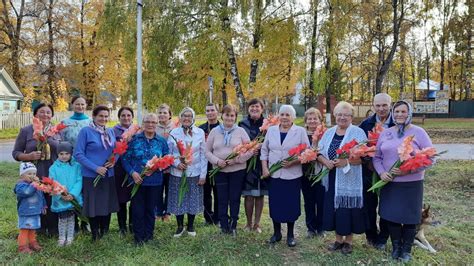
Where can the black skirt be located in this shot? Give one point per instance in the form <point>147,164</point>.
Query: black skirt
<point>401,202</point>
<point>284,197</point>
<point>100,200</point>
<point>344,221</point>
<point>253,184</point>
<point>123,192</point>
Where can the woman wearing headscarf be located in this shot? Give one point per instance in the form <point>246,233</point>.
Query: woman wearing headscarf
<point>125,115</point>
<point>284,193</point>
<point>220,143</point>
<point>25,150</point>
<point>195,171</point>
<point>401,199</point>
<point>343,199</point>
<point>95,144</point>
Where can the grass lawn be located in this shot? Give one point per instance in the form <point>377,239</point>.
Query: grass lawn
<point>9,133</point>
<point>450,196</point>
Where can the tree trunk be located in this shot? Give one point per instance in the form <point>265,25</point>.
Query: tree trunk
<point>386,62</point>
<point>51,66</point>
<point>224,84</point>
<point>14,36</point>
<point>234,72</point>
<point>257,35</point>
<point>85,61</point>
<point>312,97</point>
<point>469,51</point>
<point>328,67</point>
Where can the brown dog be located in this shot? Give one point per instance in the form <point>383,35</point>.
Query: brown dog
<point>426,220</point>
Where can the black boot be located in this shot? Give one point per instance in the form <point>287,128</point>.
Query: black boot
<point>408,236</point>
<point>396,249</point>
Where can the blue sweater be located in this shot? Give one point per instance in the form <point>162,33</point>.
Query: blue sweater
<point>68,175</point>
<point>90,152</point>
<point>30,200</point>
<point>140,150</point>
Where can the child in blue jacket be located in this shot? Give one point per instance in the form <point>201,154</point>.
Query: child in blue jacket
<point>31,204</point>
<point>66,171</point>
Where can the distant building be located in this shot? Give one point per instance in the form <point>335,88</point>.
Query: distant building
<point>10,96</point>
<point>434,87</point>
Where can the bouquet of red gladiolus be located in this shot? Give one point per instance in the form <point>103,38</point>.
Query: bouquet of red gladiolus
<point>267,122</point>
<point>293,153</point>
<point>155,163</point>
<point>185,157</point>
<point>41,137</point>
<point>52,187</point>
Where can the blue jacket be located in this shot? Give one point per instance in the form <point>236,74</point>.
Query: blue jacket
<point>140,150</point>
<point>69,175</point>
<point>30,200</point>
<point>90,152</point>
<point>367,125</point>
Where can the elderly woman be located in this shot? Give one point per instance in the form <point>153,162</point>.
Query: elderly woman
<point>125,115</point>
<point>94,146</point>
<point>142,148</point>
<point>195,172</point>
<point>165,125</point>
<point>77,121</point>
<point>220,143</point>
<point>25,150</point>
<point>401,199</point>
<point>254,187</point>
<point>313,195</point>
<point>285,184</point>
<point>343,200</point>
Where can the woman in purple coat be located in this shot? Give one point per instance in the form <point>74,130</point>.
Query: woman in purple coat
<point>401,199</point>
<point>25,150</point>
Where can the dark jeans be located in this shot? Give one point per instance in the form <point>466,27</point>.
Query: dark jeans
<point>162,203</point>
<point>211,213</point>
<point>371,201</point>
<point>49,221</point>
<point>313,204</point>
<point>229,189</point>
<point>143,212</point>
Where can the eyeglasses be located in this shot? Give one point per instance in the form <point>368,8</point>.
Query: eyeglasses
<point>150,122</point>
<point>187,116</point>
<point>344,115</point>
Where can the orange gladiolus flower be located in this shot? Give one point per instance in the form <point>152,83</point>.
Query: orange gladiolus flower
<point>318,133</point>
<point>308,155</point>
<point>405,150</point>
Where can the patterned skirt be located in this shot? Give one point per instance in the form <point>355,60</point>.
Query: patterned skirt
<point>193,200</point>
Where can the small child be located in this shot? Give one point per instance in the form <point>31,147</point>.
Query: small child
<point>67,172</point>
<point>31,204</point>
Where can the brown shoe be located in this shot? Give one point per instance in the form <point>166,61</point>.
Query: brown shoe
<point>25,249</point>
<point>335,246</point>
<point>35,246</point>
<point>346,248</point>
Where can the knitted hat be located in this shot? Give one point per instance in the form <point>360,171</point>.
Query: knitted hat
<point>26,166</point>
<point>64,146</point>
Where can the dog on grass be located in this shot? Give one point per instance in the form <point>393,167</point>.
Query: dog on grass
<point>426,220</point>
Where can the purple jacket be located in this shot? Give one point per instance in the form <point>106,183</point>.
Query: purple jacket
<point>386,153</point>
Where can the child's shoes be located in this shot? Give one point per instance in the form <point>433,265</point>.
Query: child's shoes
<point>25,249</point>
<point>35,246</point>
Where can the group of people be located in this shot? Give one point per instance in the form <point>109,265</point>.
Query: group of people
<point>340,202</point>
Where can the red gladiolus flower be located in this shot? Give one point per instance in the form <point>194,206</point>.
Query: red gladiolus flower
<point>416,162</point>
<point>297,150</point>
<point>120,147</point>
<point>345,150</point>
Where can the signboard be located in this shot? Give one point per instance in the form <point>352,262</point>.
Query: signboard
<point>423,107</point>
<point>442,102</point>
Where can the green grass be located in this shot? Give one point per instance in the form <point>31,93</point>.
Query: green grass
<point>9,133</point>
<point>448,188</point>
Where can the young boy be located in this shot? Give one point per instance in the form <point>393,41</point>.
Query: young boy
<point>31,204</point>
